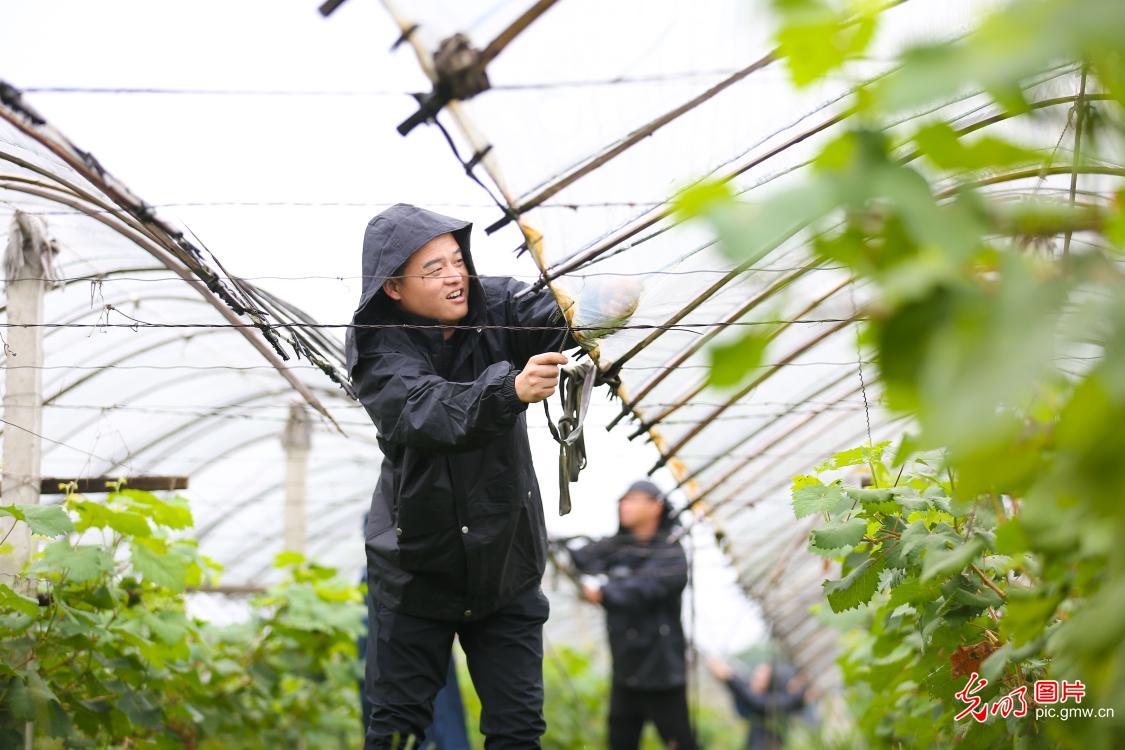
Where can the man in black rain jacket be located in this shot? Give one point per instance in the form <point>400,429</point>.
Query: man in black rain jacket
<point>456,542</point>
<point>638,576</point>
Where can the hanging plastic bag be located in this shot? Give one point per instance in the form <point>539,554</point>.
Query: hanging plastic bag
<point>605,304</point>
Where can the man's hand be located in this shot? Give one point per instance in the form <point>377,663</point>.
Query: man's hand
<point>592,594</point>
<point>539,379</point>
<point>719,668</point>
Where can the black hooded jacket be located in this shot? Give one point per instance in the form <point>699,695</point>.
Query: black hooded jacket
<point>456,523</point>
<point>642,600</point>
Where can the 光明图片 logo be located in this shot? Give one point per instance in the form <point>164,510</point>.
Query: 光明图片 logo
<point>1048,696</point>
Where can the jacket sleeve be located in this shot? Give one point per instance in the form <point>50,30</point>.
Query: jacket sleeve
<point>738,692</point>
<point>413,406</point>
<point>661,576</point>
<point>536,310</point>
<point>591,558</point>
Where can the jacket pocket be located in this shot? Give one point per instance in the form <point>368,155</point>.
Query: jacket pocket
<point>427,534</point>
<point>384,543</point>
<point>501,495</point>
<point>423,516</point>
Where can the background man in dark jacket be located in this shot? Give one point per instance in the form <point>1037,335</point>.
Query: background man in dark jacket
<point>456,542</point>
<point>640,576</point>
<point>767,700</point>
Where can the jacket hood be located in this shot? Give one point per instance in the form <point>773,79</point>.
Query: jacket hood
<point>388,242</point>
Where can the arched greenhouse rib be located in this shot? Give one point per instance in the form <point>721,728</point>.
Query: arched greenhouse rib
<point>100,385</point>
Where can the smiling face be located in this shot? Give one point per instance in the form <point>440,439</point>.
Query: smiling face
<point>434,282</point>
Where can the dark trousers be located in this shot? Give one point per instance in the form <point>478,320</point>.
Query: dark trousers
<point>629,709</point>
<point>448,731</point>
<point>407,658</point>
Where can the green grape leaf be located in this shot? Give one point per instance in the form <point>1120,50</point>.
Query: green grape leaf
<point>169,628</point>
<point>160,566</point>
<point>839,534</point>
<point>813,45</point>
<point>59,723</point>
<point>288,558</point>
<point>858,456</point>
<point>731,362</point>
<point>911,590</point>
<point>941,145</point>
<point>171,513</point>
<point>14,601</point>
<point>19,701</point>
<point>856,588</point>
<point>79,564</point>
<point>701,197</point>
<point>91,514</point>
<point>947,562</point>
<point>129,523</point>
<point>44,520</point>
<point>819,498</point>
<point>1027,613</point>
<point>873,500</point>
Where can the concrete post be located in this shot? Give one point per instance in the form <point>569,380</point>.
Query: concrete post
<point>29,269</point>
<point>297,439</point>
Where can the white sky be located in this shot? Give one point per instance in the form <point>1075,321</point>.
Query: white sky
<point>180,149</point>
